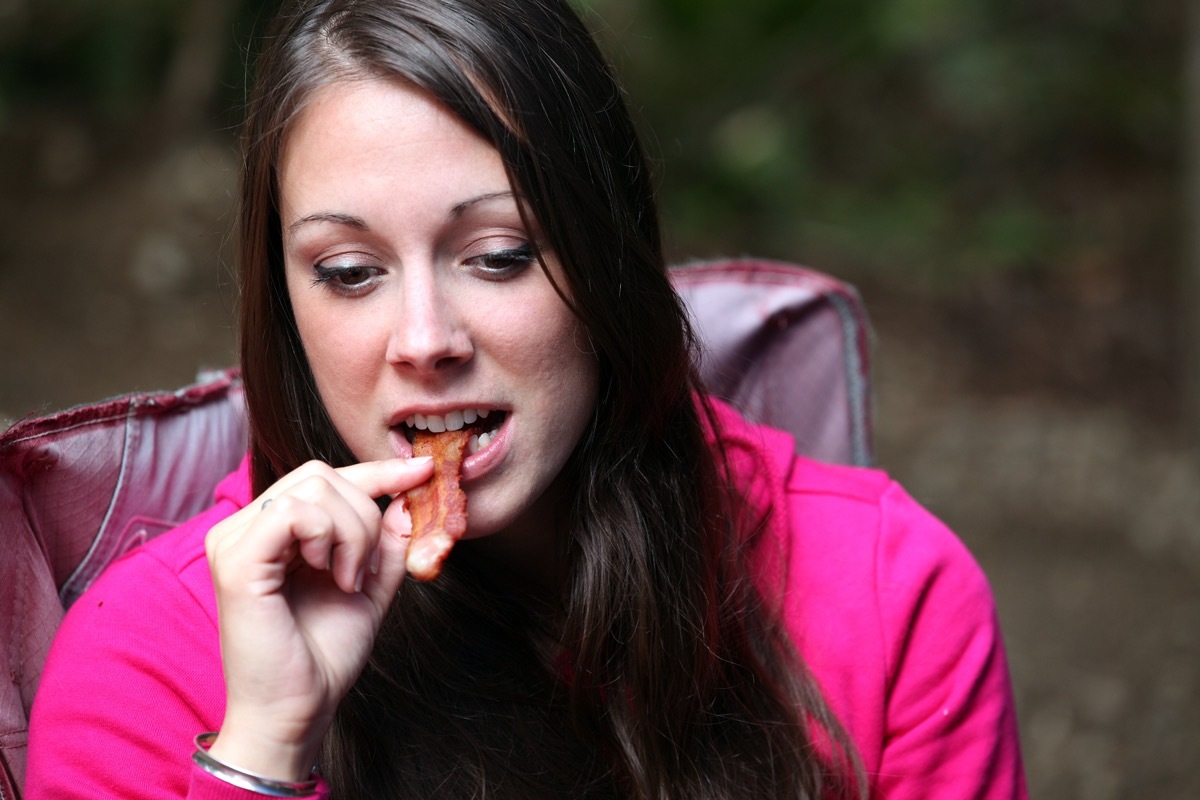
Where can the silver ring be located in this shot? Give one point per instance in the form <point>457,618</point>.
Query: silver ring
<point>265,503</point>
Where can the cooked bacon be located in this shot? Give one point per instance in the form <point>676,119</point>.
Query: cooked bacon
<point>438,508</point>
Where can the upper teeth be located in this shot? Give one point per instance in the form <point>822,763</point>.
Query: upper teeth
<point>453,421</point>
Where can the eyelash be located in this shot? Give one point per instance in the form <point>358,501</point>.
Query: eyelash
<point>496,265</point>
<point>333,277</point>
<point>511,262</point>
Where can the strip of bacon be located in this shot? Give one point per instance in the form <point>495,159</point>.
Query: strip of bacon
<point>438,508</point>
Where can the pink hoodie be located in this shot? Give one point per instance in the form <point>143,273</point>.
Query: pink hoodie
<point>891,613</point>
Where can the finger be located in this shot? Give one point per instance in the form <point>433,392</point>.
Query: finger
<point>312,529</point>
<point>373,478</point>
<point>395,536</point>
<point>389,477</point>
<point>315,525</point>
<point>285,484</point>
<point>348,546</point>
<point>258,558</point>
<point>344,540</point>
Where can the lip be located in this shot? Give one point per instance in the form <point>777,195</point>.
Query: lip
<point>401,446</point>
<point>479,464</point>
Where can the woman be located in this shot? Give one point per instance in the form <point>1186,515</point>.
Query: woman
<point>446,216</point>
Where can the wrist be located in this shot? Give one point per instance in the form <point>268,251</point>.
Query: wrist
<point>263,756</point>
<point>245,779</point>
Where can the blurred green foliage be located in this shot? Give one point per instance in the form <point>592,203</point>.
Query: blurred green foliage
<point>105,56</point>
<point>925,141</point>
<point>931,142</point>
<point>109,59</point>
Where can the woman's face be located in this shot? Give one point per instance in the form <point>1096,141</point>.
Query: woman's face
<point>417,296</point>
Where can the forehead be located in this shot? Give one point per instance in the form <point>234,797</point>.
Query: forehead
<point>372,133</point>
<point>358,110</point>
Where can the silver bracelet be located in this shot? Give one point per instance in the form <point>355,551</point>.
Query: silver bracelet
<point>259,784</point>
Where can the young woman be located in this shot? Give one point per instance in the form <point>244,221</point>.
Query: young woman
<point>447,221</point>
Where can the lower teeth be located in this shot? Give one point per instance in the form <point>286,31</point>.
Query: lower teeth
<point>477,443</point>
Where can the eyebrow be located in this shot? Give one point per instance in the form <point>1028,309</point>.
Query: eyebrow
<point>358,223</point>
<point>459,209</point>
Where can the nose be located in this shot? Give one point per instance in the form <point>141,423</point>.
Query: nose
<point>429,333</point>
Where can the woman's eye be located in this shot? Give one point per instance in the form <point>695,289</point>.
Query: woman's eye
<point>345,279</point>
<point>503,263</point>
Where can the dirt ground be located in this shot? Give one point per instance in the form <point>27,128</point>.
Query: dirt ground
<point>1082,510</point>
<point>1085,519</point>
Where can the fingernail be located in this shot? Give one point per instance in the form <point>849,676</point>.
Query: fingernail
<point>358,581</point>
<point>374,562</point>
<point>420,461</point>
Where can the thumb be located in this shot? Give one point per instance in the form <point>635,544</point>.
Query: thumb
<point>394,537</point>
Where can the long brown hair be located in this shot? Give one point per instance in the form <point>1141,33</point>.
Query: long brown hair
<point>664,672</point>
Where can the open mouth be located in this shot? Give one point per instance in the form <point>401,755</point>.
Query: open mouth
<point>484,423</point>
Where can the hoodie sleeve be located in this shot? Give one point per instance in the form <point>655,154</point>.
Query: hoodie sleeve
<point>133,675</point>
<point>950,724</point>
<point>892,616</point>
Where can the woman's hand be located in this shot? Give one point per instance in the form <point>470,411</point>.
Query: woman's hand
<point>304,576</point>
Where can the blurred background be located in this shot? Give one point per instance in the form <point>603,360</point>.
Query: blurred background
<point>1012,185</point>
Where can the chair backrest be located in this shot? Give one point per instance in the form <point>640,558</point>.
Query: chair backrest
<point>786,345</point>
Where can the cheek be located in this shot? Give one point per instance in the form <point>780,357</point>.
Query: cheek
<point>565,369</point>
<point>543,338</point>
<point>340,352</point>
<point>314,329</point>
